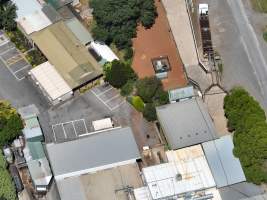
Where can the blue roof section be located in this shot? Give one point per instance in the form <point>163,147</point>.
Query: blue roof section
<point>225,167</point>
<point>181,93</point>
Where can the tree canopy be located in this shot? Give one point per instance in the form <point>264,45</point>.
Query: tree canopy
<point>116,20</point>
<point>117,73</point>
<point>10,123</point>
<point>7,15</point>
<point>247,119</point>
<point>7,188</point>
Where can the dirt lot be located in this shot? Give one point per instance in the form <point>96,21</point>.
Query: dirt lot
<point>155,42</point>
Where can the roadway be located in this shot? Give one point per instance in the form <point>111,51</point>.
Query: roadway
<point>235,39</point>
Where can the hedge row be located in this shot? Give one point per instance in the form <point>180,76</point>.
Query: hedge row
<point>247,119</point>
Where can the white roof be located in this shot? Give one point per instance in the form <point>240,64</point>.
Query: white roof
<point>181,29</point>
<point>50,80</point>
<point>35,21</point>
<point>102,124</point>
<point>25,8</point>
<point>104,51</point>
<point>203,8</point>
<point>190,163</point>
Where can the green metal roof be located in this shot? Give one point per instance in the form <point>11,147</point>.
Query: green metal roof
<point>36,150</point>
<point>79,30</point>
<point>58,3</point>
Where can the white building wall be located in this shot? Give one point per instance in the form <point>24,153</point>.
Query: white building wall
<point>92,170</point>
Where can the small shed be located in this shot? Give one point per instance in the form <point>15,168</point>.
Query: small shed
<point>102,124</point>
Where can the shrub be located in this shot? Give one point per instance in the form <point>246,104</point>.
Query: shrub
<point>138,103</point>
<point>161,97</point>
<point>7,188</point>
<point>127,88</point>
<point>150,112</point>
<point>147,87</point>
<point>35,57</point>
<point>247,119</point>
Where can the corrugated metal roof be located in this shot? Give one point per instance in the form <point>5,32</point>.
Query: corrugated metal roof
<point>24,9</point>
<point>92,151</point>
<point>40,171</point>
<point>79,30</point>
<point>181,93</point>
<point>35,21</point>
<point>50,80</point>
<point>65,52</point>
<point>186,123</point>
<point>188,163</point>
<point>36,150</point>
<point>59,3</point>
<point>225,167</point>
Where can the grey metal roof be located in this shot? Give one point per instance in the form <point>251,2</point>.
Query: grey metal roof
<point>71,188</point>
<point>40,171</point>
<point>79,30</point>
<point>226,168</point>
<point>186,123</point>
<point>240,191</point>
<point>259,197</point>
<point>95,150</point>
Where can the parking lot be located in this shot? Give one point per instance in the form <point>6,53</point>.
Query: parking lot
<point>13,59</point>
<point>69,130</point>
<point>109,96</point>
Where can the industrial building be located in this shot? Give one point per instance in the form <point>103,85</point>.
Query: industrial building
<point>186,123</point>
<point>93,155</point>
<point>186,175</point>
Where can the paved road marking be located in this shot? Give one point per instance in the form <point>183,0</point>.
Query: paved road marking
<point>6,51</point>
<point>22,68</point>
<point>101,100</point>
<point>112,98</point>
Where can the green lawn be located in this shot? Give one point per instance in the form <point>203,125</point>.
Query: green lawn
<point>259,5</point>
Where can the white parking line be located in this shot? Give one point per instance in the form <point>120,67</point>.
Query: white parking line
<point>6,51</point>
<point>22,68</point>
<point>101,100</point>
<point>118,105</point>
<point>113,98</point>
<point>105,91</point>
<point>7,66</point>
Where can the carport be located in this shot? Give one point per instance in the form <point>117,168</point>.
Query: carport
<point>51,83</point>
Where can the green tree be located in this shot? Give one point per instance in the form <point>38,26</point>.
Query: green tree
<point>117,21</point>
<point>148,13</point>
<point>150,112</point>
<point>7,15</point>
<point>117,73</point>
<point>10,123</point>
<point>147,88</point>
<point>127,88</point>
